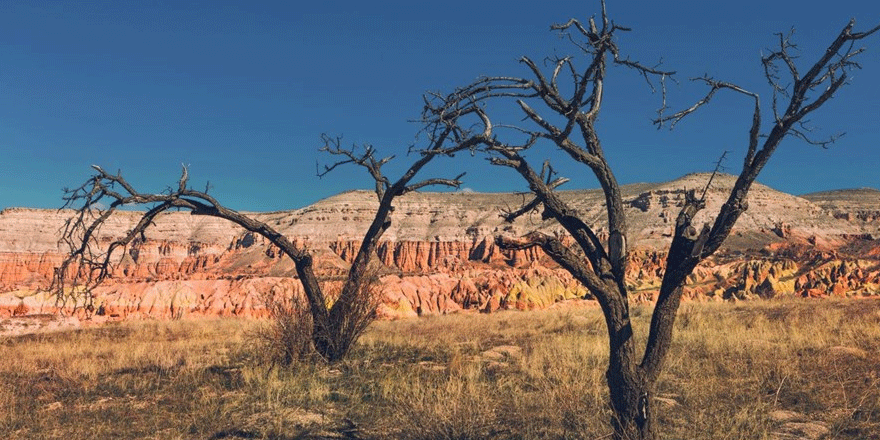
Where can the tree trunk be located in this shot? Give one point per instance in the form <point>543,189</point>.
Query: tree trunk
<point>630,391</point>
<point>630,404</point>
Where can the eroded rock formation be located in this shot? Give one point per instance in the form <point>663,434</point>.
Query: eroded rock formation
<point>440,256</point>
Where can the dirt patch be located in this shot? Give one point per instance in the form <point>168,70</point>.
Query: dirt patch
<point>30,324</point>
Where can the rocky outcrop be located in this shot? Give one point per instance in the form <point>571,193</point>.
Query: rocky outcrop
<point>440,254</point>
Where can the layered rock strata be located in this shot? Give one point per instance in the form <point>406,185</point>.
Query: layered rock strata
<point>439,255</point>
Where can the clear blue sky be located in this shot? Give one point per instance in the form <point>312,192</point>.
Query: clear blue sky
<point>241,91</point>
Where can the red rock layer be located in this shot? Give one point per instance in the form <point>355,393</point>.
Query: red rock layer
<point>425,278</point>
<point>441,257</point>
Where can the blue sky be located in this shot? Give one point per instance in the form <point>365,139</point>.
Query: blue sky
<point>241,91</point>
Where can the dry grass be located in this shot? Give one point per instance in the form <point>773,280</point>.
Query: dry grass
<point>511,375</point>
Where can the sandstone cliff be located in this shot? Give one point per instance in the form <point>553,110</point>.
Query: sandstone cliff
<point>440,255</point>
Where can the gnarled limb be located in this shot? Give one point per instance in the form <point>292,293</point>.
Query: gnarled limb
<point>88,263</point>
<point>688,247</point>
<point>445,138</point>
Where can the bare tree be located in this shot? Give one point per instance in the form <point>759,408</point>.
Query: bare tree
<point>573,109</point>
<point>336,327</point>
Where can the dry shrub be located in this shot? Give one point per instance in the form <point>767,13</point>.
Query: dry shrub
<point>290,336</point>
<point>349,317</point>
<point>287,338</point>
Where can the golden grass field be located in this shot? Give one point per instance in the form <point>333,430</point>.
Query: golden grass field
<point>756,370</point>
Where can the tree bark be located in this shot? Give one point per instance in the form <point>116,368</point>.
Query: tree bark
<point>630,396</point>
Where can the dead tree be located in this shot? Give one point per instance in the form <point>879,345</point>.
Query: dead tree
<point>600,265</point>
<point>336,327</point>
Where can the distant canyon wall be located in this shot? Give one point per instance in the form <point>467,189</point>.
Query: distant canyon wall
<point>440,257</point>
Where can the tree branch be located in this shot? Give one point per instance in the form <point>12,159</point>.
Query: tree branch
<point>562,255</point>
<point>91,264</point>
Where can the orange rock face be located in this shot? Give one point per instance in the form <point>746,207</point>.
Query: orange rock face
<point>440,256</point>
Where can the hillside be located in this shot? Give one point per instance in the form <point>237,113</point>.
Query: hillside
<point>440,253</point>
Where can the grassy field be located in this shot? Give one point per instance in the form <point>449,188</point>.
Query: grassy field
<point>759,370</point>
